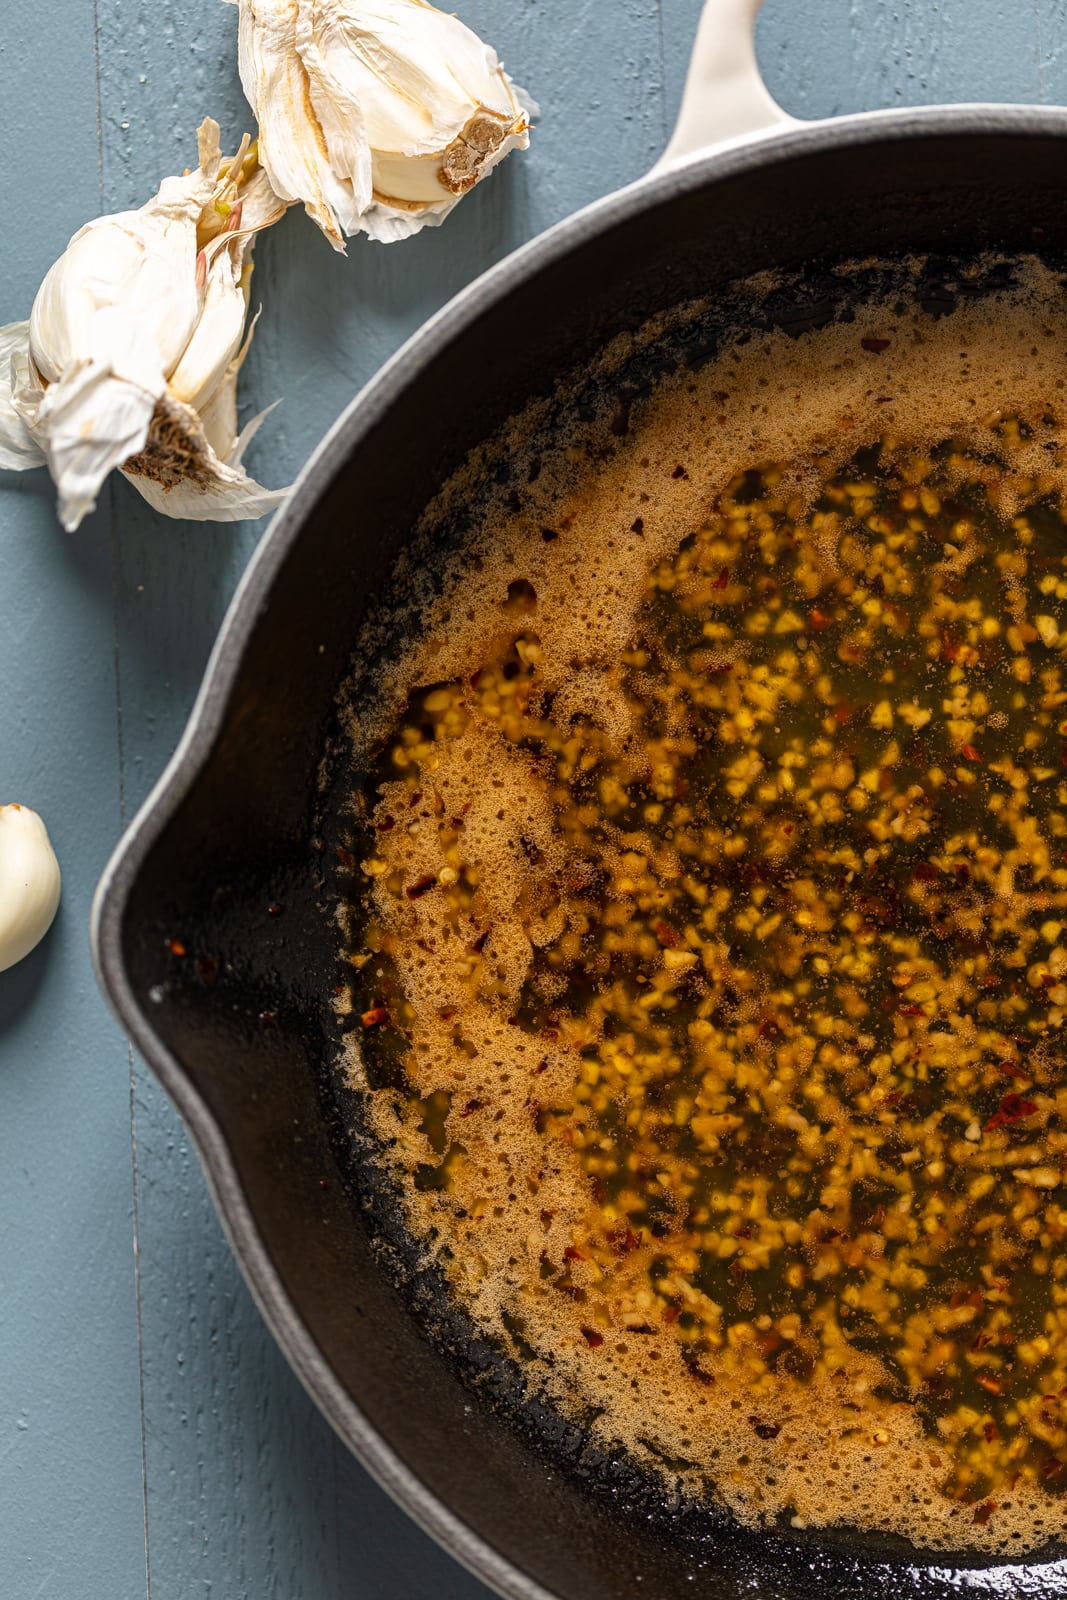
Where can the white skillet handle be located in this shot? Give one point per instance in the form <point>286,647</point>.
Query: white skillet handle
<point>725,97</point>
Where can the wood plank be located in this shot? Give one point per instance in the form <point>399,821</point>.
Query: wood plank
<point>68,1347</point>
<point>1051,51</point>
<point>238,1464</point>
<point>833,58</point>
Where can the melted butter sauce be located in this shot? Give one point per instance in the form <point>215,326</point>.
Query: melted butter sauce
<point>766,1054</point>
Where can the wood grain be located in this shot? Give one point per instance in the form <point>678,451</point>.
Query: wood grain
<point>68,1354</point>
<point>243,1492</point>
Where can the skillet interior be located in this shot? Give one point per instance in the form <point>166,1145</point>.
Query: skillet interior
<point>229,839</point>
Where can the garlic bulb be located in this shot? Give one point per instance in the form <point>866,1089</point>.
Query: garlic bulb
<point>131,354</point>
<point>29,883</point>
<point>378,114</point>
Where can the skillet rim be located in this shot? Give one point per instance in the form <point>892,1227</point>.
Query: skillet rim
<point>749,153</point>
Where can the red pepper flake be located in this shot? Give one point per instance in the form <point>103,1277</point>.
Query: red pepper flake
<point>991,1431</point>
<point>176,947</point>
<point>274,909</point>
<point>593,1339</point>
<point>723,579</point>
<point>572,1253</point>
<point>1011,1069</point>
<point>820,620</point>
<point>842,712</point>
<point>926,872</point>
<point>789,828</point>
<point>666,934</point>
<point>984,1512</point>
<point>421,886</point>
<point>969,753</point>
<point>766,1430</point>
<point>990,1385</point>
<point>875,346</point>
<point>679,472</point>
<point>267,1016</point>
<point>671,1314</point>
<point>623,1240</point>
<point>324,1183</point>
<point>1012,1109</point>
<point>911,1011</point>
<point>376,1015</point>
<point>345,857</point>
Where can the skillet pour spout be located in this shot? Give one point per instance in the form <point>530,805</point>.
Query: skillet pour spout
<point>232,1003</point>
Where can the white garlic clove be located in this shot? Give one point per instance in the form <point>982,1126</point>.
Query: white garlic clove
<point>134,335</point>
<point>29,883</point>
<point>379,115</point>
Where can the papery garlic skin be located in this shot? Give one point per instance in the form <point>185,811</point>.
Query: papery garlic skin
<point>140,322</point>
<point>30,883</point>
<point>379,115</point>
<point>18,448</point>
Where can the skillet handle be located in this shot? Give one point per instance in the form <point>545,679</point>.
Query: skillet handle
<point>725,97</point>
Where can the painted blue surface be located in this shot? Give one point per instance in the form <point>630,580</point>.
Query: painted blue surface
<point>151,1438</point>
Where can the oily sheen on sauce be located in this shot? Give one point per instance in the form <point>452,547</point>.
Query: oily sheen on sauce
<point>710,955</point>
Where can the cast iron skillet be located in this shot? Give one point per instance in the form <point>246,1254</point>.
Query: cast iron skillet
<point>240,1028</point>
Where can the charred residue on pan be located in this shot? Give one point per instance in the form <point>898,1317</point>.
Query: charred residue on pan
<point>812,300</point>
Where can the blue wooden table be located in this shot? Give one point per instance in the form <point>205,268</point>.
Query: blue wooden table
<point>151,1438</point>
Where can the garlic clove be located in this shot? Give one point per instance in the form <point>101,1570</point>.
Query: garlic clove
<point>29,883</point>
<point>276,87</point>
<point>432,98</point>
<point>378,114</point>
<point>122,286</point>
<point>135,336</point>
<point>217,336</point>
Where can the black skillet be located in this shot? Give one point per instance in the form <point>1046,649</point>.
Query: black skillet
<point>240,1029</point>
